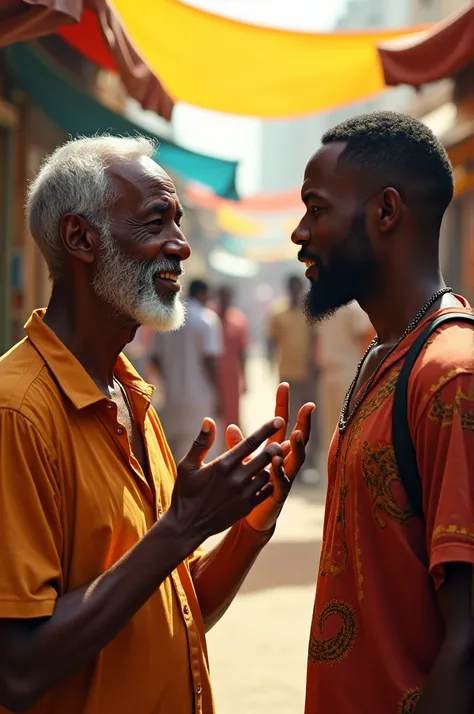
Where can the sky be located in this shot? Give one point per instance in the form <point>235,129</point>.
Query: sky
<point>298,15</point>
<point>238,138</point>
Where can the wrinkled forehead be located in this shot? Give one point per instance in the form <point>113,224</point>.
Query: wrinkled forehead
<point>140,181</point>
<point>326,176</point>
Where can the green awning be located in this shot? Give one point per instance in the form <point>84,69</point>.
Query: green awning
<point>78,113</point>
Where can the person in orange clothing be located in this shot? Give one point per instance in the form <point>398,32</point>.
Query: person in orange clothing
<point>393,623</point>
<point>105,593</point>
<point>235,331</point>
<point>293,346</point>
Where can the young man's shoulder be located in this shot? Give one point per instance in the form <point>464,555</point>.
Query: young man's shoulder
<point>447,356</point>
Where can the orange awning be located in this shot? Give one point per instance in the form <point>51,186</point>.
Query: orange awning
<point>279,202</point>
<point>430,55</point>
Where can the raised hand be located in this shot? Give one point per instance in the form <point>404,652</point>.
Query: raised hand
<point>209,498</point>
<point>284,471</point>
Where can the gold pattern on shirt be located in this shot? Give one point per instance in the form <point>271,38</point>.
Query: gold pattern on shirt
<point>333,649</point>
<point>409,701</point>
<point>335,551</point>
<point>442,413</point>
<point>441,531</point>
<point>380,472</point>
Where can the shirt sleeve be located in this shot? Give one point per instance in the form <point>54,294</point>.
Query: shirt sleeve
<point>444,442</point>
<point>30,552</point>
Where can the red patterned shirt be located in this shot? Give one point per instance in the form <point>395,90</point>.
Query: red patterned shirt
<point>376,629</point>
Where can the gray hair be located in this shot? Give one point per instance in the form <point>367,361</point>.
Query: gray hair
<point>74,179</point>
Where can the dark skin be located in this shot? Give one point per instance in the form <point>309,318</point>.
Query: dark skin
<point>36,655</point>
<point>405,244</point>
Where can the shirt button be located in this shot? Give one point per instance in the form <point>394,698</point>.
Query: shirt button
<point>119,431</point>
<point>186,610</point>
<point>198,689</point>
<point>109,405</point>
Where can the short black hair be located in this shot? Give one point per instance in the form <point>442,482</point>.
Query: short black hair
<point>197,287</point>
<point>402,151</point>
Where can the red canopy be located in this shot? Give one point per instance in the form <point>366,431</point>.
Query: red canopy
<point>432,55</point>
<point>93,28</point>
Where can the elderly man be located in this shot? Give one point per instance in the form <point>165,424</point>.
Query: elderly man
<point>105,595</point>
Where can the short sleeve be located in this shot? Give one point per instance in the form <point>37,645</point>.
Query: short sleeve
<point>444,441</point>
<point>195,557</point>
<point>30,552</point>
<point>211,336</point>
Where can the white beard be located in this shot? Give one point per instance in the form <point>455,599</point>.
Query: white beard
<point>128,286</point>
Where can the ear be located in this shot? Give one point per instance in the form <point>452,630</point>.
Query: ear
<point>389,209</point>
<point>80,239</point>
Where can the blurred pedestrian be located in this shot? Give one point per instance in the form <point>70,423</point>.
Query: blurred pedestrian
<point>393,626</point>
<point>292,348</point>
<point>187,360</point>
<point>342,341</point>
<point>235,333</point>
<point>105,593</point>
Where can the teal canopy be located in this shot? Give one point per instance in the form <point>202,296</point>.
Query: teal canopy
<point>78,113</point>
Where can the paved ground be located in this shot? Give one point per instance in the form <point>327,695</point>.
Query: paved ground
<point>258,651</point>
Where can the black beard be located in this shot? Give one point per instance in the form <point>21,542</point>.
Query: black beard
<point>348,277</point>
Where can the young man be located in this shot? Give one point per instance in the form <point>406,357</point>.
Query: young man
<point>105,595</point>
<point>393,627</point>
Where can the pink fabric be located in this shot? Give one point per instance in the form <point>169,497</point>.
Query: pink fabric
<point>236,338</point>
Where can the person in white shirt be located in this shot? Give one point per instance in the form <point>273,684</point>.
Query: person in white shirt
<point>187,362</point>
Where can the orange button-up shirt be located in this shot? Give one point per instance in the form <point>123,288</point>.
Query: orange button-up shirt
<point>73,501</point>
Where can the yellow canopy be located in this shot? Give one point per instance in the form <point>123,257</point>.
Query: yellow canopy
<point>232,67</point>
<point>236,222</point>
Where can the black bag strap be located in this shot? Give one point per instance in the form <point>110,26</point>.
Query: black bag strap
<point>405,454</point>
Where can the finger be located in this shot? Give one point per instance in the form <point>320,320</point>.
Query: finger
<point>233,436</point>
<point>282,483</point>
<point>282,409</point>
<point>260,486</point>
<point>201,445</point>
<point>278,470</point>
<point>262,459</point>
<point>298,449</point>
<point>303,422</point>
<point>260,496</point>
<point>250,444</point>
<point>285,448</point>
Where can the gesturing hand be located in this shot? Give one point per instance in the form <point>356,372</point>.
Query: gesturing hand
<point>209,498</point>
<point>282,474</point>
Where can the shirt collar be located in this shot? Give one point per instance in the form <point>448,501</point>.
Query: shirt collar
<point>71,376</point>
